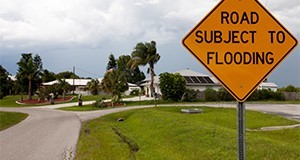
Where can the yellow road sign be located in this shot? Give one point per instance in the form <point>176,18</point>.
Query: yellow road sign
<point>240,43</point>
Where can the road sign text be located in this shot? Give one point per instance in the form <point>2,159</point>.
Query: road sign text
<point>240,58</point>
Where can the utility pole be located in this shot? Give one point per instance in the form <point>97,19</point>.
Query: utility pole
<point>73,79</point>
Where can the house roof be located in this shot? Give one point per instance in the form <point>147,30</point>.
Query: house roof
<point>195,78</point>
<point>77,82</point>
<point>80,82</point>
<point>188,72</point>
<point>191,77</point>
<point>269,84</point>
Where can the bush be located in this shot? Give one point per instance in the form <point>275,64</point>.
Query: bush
<point>172,86</point>
<point>211,95</point>
<point>190,95</point>
<point>1,95</point>
<point>100,104</point>
<point>224,95</point>
<point>261,95</point>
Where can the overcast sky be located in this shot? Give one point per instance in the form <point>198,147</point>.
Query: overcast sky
<point>82,33</point>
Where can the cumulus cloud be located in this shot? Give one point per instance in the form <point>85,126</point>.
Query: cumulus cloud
<point>64,23</point>
<point>69,28</point>
<point>91,23</point>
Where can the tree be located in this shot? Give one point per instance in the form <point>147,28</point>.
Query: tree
<point>132,75</point>
<point>30,69</point>
<point>112,64</point>
<point>114,82</point>
<point>290,88</point>
<point>48,76</point>
<point>66,75</point>
<point>64,85</point>
<point>93,86</point>
<point>5,82</point>
<point>136,76</point>
<point>143,54</point>
<point>172,86</point>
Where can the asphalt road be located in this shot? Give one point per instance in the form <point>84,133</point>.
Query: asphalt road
<point>49,134</point>
<point>44,135</point>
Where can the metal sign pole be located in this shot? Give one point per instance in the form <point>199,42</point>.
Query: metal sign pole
<point>241,131</point>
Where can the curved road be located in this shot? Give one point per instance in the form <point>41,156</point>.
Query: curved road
<point>52,134</point>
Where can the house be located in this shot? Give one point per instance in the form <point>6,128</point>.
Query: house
<point>132,87</point>
<point>271,86</point>
<point>80,85</point>
<point>199,81</point>
<point>194,80</point>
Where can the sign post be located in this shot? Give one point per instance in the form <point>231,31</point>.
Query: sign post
<point>240,43</point>
<point>241,131</point>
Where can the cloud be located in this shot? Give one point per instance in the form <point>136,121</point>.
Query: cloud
<point>91,23</point>
<point>91,29</point>
<point>35,23</point>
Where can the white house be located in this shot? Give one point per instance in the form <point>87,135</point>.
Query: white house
<point>269,86</point>
<point>199,81</point>
<point>78,84</point>
<point>81,85</point>
<point>194,80</point>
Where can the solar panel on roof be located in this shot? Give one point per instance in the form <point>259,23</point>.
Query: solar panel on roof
<point>188,79</point>
<point>202,80</point>
<point>195,79</point>
<point>208,79</point>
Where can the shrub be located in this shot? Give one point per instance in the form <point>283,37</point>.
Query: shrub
<point>224,95</point>
<point>100,104</point>
<point>211,95</point>
<point>172,86</point>
<point>1,95</point>
<point>190,95</point>
<point>261,95</point>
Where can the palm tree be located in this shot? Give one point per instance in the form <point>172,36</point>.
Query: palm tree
<point>143,54</point>
<point>114,82</point>
<point>93,86</point>
<point>64,85</point>
<point>29,68</point>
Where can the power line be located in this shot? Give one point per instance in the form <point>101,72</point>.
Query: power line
<point>94,74</point>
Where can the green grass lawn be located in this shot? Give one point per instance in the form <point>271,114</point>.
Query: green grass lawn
<point>165,133</point>
<point>10,101</point>
<point>8,119</point>
<point>82,108</point>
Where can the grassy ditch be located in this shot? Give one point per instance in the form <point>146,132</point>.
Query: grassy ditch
<point>165,133</point>
<point>8,119</point>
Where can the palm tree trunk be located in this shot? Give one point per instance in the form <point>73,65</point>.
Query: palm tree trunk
<point>64,94</point>
<point>152,80</point>
<point>29,89</point>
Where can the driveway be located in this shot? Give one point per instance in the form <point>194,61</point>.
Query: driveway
<point>45,134</point>
<point>49,134</point>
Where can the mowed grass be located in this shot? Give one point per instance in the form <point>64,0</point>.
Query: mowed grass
<point>80,108</point>
<point>165,133</point>
<point>10,101</point>
<point>8,119</point>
